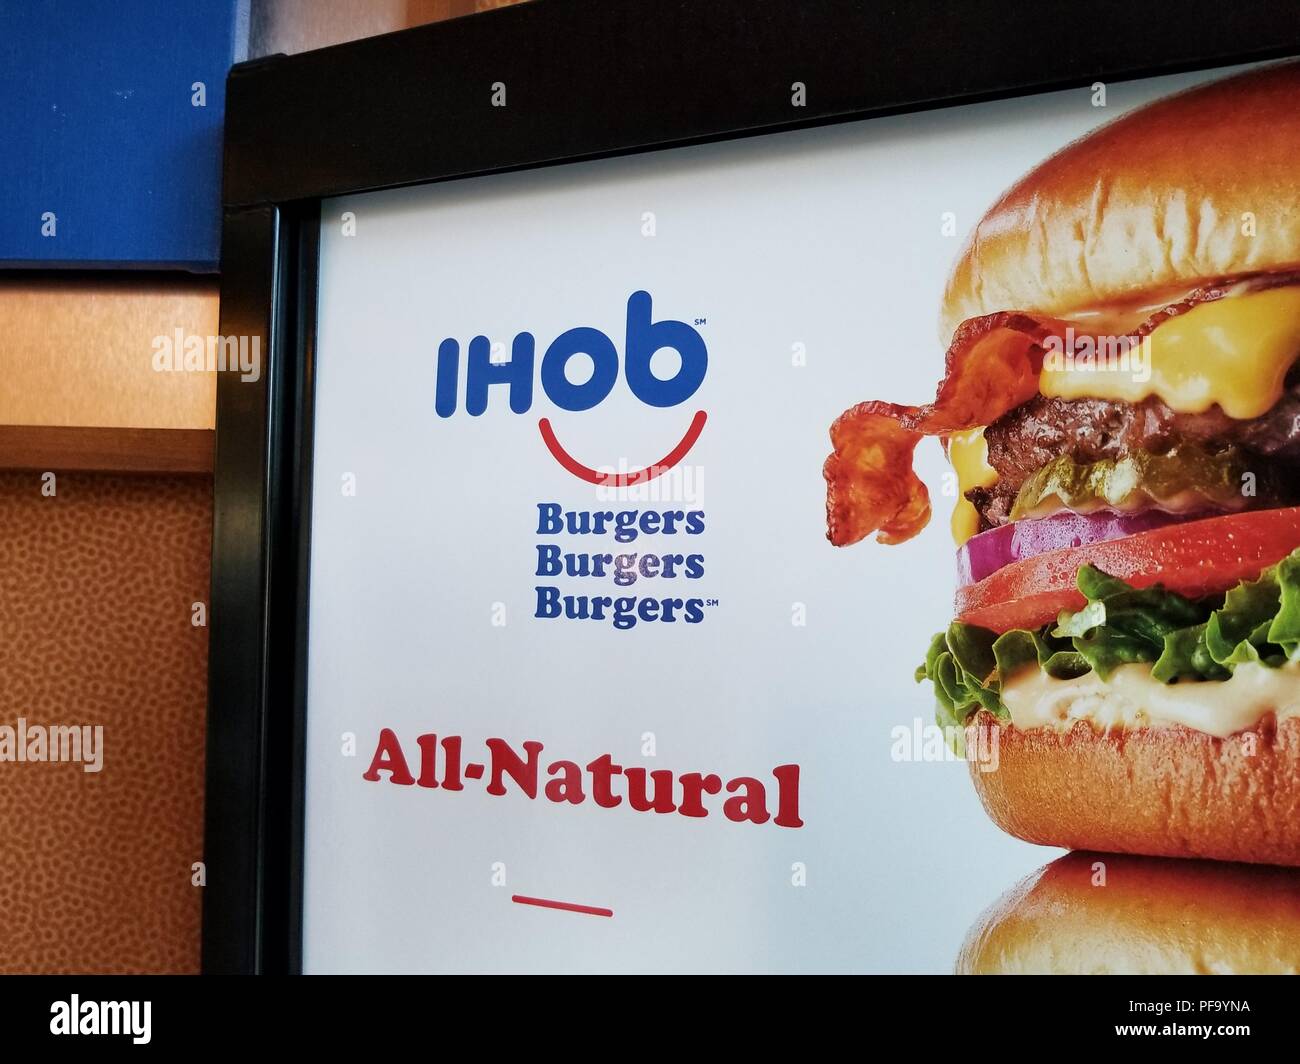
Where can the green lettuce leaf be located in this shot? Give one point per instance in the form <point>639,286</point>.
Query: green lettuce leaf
<point>1184,640</point>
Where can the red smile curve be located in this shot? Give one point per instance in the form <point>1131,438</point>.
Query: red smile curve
<point>622,480</point>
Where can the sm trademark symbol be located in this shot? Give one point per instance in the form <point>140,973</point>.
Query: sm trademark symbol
<point>710,602</point>
<point>701,321</point>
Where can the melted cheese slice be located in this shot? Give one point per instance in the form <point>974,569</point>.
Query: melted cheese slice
<point>1234,351</point>
<point>969,455</point>
<point>1131,699</point>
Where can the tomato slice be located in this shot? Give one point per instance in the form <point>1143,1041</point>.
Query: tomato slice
<point>1199,558</point>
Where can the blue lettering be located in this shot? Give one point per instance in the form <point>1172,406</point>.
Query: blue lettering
<point>548,602</point>
<point>448,367</point>
<point>517,374</point>
<point>644,338</point>
<point>548,559</point>
<point>604,356</point>
<point>548,519</point>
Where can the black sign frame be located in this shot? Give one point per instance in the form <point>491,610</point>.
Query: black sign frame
<point>585,79</point>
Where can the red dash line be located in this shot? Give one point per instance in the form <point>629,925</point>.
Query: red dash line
<point>568,906</point>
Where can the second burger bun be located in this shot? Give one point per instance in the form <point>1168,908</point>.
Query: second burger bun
<point>1169,792</point>
<point>1156,201</point>
<point>1104,914</point>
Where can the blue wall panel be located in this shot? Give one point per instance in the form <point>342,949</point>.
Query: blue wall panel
<point>99,128</point>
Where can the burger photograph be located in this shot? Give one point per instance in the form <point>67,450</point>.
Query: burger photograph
<point>1099,914</point>
<point>1120,407</point>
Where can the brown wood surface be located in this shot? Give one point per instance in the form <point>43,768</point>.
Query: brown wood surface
<point>79,350</point>
<point>105,450</point>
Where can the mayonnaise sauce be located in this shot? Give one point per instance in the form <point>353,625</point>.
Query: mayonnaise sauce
<point>1131,699</point>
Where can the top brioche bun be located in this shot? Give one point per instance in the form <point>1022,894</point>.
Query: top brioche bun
<point>1105,914</point>
<point>1149,203</point>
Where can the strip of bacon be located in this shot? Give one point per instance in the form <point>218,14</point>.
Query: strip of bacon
<point>993,365</point>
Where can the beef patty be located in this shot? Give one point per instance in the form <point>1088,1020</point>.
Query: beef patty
<point>1024,440</point>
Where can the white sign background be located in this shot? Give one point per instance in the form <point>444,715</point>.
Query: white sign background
<point>828,238</point>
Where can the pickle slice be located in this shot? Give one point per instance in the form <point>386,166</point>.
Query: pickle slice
<point>1182,480</point>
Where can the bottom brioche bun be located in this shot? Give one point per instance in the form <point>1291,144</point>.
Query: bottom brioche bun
<point>1162,791</point>
<point>1100,914</point>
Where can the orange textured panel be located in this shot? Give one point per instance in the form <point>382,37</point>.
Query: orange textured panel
<point>96,589</point>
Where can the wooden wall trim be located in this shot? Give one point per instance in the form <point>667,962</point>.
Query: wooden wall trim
<point>82,348</point>
<point>106,450</point>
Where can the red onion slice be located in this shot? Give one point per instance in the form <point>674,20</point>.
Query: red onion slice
<point>987,552</point>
